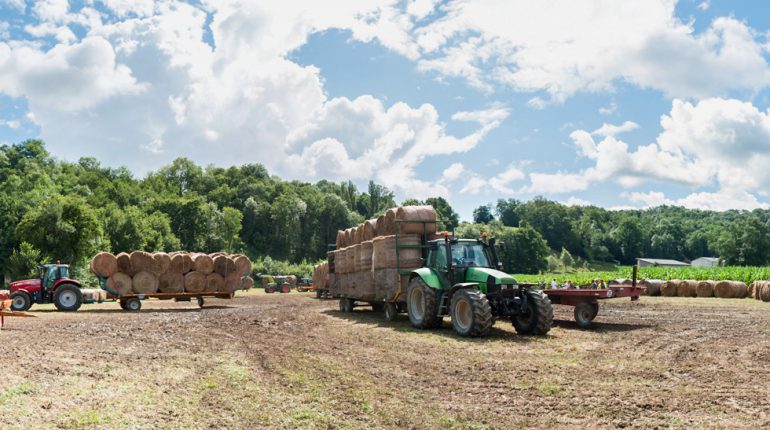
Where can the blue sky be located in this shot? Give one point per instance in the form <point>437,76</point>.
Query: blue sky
<point>617,104</point>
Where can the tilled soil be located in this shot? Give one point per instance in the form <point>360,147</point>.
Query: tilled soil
<point>291,361</point>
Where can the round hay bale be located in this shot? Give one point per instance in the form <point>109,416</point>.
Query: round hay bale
<point>195,282</point>
<point>384,252</point>
<point>144,262</point>
<point>349,241</point>
<point>416,213</point>
<point>181,263</point>
<point>730,289</point>
<point>248,283</point>
<point>215,281</point>
<point>686,289</point>
<point>171,282</point>
<point>163,261</point>
<point>705,289</point>
<point>104,264</point>
<point>144,283</point>
<point>120,283</point>
<point>358,234</point>
<point>224,265</point>
<point>124,263</point>
<point>203,263</point>
<point>370,230</point>
<point>751,289</point>
<point>764,293</point>
<point>651,286</point>
<point>242,264</point>
<point>232,283</point>
<point>386,223</point>
<point>340,239</point>
<point>668,289</point>
<point>214,255</point>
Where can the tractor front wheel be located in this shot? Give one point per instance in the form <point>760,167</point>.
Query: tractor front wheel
<point>21,301</point>
<point>585,313</point>
<point>471,313</point>
<point>286,289</point>
<point>538,318</point>
<point>422,305</point>
<point>68,298</point>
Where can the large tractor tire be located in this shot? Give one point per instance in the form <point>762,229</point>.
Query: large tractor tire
<point>471,313</point>
<point>539,316</point>
<point>422,305</point>
<point>21,301</point>
<point>585,313</point>
<point>68,298</point>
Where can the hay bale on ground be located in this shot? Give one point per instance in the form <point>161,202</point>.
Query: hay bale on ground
<point>124,264</point>
<point>416,213</point>
<point>144,283</point>
<point>248,283</point>
<point>687,289</point>
<point>215,281</point>
<point>751,289</point>
<point>170,282</point>
<point>104,264</point>
<point>705,288</point>
<point>144,262</point>
<point>120,283</point>
<point>242,264</point>
<point>181,263</point>
<point>163,261</point>
<point>203,263</point>
<point>651,286</point>
<point>384,252</point>
<point>764,293</point>
<point>195,282</point>
<point>224,265</point>
<point>668,289</point>
<point>730,290</point>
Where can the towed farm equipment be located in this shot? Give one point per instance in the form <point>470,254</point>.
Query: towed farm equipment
<point>6,309</point>
<point>460,278</point>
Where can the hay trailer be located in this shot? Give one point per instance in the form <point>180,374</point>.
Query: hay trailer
<point>586,301</point>
<point>133,301</point>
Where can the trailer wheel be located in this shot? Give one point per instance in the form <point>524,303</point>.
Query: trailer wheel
<point>585,313</point>
<point>68,298</point>
<point>422,305</point>
<point>133,304</point>
<point>201,302</point>
<point>391,311</point>
<point>539,316</point>
<point>471,313</point>
<point>122,304</point>
<point>346,305</point>
<point>21,301</point>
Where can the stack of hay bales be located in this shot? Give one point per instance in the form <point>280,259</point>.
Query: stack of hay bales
<point>320,276</point>
<point>719,289</point>
<point>364,252</point>
<point>142,272</point>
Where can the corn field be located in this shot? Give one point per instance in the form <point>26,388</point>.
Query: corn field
<point>732,273</point>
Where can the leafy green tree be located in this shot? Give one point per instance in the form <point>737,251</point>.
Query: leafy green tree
<point>566,258</point>
<point>483,215</point>
<point>377,200</point>
<point>444,211</point>
<point>525,250</point>
<point>24,261</point>
<point>629,238</point>
<point>745,243</point>
<point>506,211</point>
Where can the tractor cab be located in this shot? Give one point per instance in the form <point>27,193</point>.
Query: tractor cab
<point>459,260</point>
<point>53,285</point>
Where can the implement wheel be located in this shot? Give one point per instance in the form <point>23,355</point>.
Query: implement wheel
<point>422,305</point>
<point>391,311</point>
<point>471,313</point>
<point>201,302</point>
<point>538,318</point>
<point>585,313</point>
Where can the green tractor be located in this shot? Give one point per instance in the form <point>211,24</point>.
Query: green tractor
<point>462,278</point>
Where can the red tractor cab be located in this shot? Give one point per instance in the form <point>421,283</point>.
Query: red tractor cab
<point>52,286</point>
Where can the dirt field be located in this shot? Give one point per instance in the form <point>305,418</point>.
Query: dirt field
<point>290,361</point>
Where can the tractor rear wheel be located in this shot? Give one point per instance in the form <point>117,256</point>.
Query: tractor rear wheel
<point>68,298</point>
<point>538,318</point>
<point>585,313</point>
<point>21,301</point>
<point>269,290</point>
<point>422,304</point>
<point>391,311</point>
<point>471,313</point>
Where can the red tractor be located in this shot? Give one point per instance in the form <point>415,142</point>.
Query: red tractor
<point>52,286</point>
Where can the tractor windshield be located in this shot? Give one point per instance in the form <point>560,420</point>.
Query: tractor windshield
<point>470,255</point>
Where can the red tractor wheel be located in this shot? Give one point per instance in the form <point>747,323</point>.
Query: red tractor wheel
<point>285,288</point>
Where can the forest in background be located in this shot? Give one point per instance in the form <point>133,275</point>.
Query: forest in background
<point>55,210</point>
